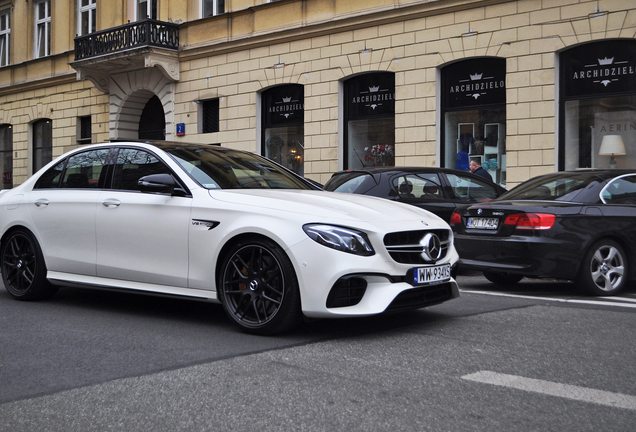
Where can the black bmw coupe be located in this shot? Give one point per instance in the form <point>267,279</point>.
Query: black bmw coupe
<point>574,225</point>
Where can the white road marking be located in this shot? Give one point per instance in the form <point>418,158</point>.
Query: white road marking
<point>560,300</point>
<point>600,397</point>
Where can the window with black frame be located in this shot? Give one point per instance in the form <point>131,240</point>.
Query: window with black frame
<point>369,105</point>
<point>473,104</point>
<point>6,156</point>
<point>283,130</point>
<point>42,143</point>
<point>209,112</point>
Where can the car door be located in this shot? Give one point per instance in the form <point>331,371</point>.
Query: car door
<point>423,190</point>
<point>62,206</point>
<point>142,237</point>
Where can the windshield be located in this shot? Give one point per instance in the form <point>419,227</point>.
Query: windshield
<point>559,187</point>
<point>216,168</point>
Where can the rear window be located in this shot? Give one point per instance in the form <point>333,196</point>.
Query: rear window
<point>352,182</point>
<point>551,188</point>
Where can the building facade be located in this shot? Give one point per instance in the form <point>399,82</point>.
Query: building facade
<point>526,86</point>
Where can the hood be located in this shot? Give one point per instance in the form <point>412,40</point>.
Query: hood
<point>327,205</point>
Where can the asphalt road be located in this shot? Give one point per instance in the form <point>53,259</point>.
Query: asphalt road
<point>537,356</point>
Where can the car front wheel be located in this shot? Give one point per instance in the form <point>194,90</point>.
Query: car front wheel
<point>259,289</point>
<point>23,269</point>
<point>604,269</point>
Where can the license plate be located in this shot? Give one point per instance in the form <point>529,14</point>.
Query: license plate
<point>428,275</point>
<point>483,223</point>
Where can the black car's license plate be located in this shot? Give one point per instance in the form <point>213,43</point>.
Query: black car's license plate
<point>429,275</point>
<point>483,223</point>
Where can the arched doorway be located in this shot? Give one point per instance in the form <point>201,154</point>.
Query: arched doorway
<point>152,123</point>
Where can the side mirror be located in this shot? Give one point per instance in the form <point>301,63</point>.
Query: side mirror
<point>160,183</point>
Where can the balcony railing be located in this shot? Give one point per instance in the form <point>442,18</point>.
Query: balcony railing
<point>133,35</point>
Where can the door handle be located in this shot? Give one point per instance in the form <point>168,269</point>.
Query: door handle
<point>41,202</point>
<point>111,202</point>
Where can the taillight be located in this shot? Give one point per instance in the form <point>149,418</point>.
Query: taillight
<point>531,221</point>
<point>455,219</point>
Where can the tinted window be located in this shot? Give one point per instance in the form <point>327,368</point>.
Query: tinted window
<point>84,170</point>
<point>418,186</point>
<point>350,183</point>
<point>552,188</point>
<point>470,189</point>
<point>133,164</point>
<point>620,191</point>
<point>51,178</point>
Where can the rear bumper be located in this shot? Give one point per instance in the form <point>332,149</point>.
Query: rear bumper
<point>528,256</point>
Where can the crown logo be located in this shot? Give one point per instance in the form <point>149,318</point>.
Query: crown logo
<point>476,76</point>
<point>374,89</point>
<point>286,99</point>
<point>606,61</point>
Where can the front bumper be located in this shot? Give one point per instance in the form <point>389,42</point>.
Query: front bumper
<point>375,284</point>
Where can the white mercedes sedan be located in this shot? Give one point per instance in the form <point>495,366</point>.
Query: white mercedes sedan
<point>221,225</point>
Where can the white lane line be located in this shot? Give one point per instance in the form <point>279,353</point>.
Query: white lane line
<point>600,397</point>
<point>624,299</point>
<point>554,299</point>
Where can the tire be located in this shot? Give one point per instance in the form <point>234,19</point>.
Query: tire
<point>604,269</point>
<point>23,268</point>
<point>502,278</point>
<point>259,289</point>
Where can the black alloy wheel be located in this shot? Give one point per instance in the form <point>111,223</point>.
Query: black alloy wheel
<point>604,269</point>
<point>23,269</point>
<point>499,278</point>
<point>258,288</point>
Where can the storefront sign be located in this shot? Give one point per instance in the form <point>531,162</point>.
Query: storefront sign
<point>284,105</point>
<point>370,95</point>
<point>599,68</point>
<point>474,82</point>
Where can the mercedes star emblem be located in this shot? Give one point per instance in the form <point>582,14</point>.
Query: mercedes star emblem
<point>431,247</point>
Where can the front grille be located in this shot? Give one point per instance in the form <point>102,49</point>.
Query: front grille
<point>347,291</point>
<point>405,248</point>
<point>420,297</point>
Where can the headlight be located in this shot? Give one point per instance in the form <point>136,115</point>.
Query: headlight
<point>342,239</point>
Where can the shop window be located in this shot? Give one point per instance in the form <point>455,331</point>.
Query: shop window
<point>5,32</point>
<point>597,110</point>
<point>369,136</point>
<point>6,156</point>
<point>474,115</point>
<point>212,7</point>
<point>209,116</point>
<point>42,28</point>
<point>86,16</point>
<point>42,143</point>
<point>84,130</point>
<point>283,131</point>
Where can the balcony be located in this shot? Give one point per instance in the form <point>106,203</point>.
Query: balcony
<point>132,46</point>
<point>133,35</point>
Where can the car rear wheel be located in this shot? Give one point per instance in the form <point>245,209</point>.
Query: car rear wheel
<point>259,289</point>
<point>23,269</point>
<point>502,278</point>
<point>604,269</point>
